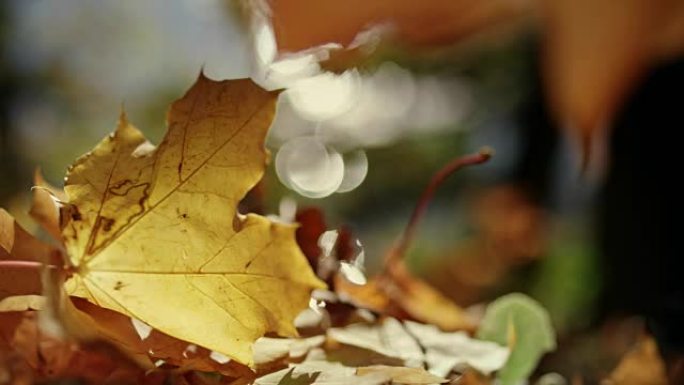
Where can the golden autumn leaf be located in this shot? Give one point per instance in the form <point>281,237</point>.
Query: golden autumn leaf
<point>154,233</point>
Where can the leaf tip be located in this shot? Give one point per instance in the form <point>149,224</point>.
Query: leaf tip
<point>202,75</point>
<point>487,152</point>
<point>38,179</point>
<point>123,118</point>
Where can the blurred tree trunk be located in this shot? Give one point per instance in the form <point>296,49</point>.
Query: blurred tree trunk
<point>641,209</point>
<point>9,159</point>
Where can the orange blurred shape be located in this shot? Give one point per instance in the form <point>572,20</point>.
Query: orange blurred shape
<point>595,51</point>
<point>641,366</point>
<point>302,24</point>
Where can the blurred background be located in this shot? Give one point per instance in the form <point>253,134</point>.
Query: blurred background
<point>580,100</point>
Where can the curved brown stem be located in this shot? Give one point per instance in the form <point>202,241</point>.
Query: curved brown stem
<point>397,252</point>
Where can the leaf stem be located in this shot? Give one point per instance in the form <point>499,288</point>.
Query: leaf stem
<point>24,265</point>
<point>397,252</point>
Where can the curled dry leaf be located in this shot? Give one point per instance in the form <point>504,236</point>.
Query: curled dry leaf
<point>369,296</point>
<point>388,338</point>
<point>420,345</point>
<point>445,352</point>
<point>321,372</point>
<point>45,205</point>
<point>423,302</point>
<point>267,350</point>
<point>150,231</point>
<point>33,356</point>
<point>400,294</point>
<point>17,244</point>
<point>117,329</point>
<point>403,375</point>
<point>72,319</point>
<point>320,368</point>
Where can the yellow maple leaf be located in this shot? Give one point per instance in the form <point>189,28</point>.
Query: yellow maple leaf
<point>154,233</point>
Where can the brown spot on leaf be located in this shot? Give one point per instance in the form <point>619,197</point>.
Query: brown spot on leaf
<point>107,223</point>
<point>75,214</point>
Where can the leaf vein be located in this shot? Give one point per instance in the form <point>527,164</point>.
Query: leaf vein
<point>173,190</point>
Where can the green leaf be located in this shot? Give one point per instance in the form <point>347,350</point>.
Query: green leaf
<point>522,323</point>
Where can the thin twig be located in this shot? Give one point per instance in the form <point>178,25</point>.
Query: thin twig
<point>438,178</point>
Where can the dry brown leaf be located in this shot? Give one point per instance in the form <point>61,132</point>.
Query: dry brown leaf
<point>187,357</point>
<point>402,295</point>
<point>18,245</point>
<point>319,372</point>
<point>38,356</point>
<point>354,356</point>
<point>322,367</point>
<point>44,206</point>
<point>472,377</point>
<point>641,366</point>
<point>423,302</point>
<point>448,351</point>
<point>419,345</point>
<point>369,296</point>
<point>403,375</point>
<point>389,338</point>
<point>118,330</point>
<point>267,350</point>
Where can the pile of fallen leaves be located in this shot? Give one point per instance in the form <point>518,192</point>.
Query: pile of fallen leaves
<point>153,276</point>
